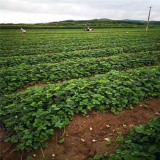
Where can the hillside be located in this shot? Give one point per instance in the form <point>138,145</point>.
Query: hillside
<point>74,24</point>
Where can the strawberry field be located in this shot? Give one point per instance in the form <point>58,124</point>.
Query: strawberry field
<point>49,76</point>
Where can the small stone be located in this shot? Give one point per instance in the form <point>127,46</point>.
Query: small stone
<point>34,155</point>
<point>82,140</point>
<point>156,113</point>
<point>53,155</point>
<point>141,105</point>
<point>124,125</point>
<point>90,129</point>
<point>107,126</point>
<point>106,139</point>
<point>93,140</point>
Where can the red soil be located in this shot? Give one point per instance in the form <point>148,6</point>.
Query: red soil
<point>81,133</point>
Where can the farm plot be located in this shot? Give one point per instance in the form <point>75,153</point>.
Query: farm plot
<point>105,71</point>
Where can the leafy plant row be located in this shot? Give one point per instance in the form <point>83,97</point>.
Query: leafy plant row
<point>56,57</point>
<point>34,114</point>
<point>37,42</point>
<point>142,143</point>
<point>16,78</point>
<point>140,48</point>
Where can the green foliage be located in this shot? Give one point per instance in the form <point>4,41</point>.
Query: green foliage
<point>39,42</point>
<point>32,116</point>
<point>6,62</point>
<point>102,156</point>
<point>16,78</point>
<point>110,141</point>
<point>120,139</point>
<point>142,143</point>
<point>145,106</point>
<point>35,114</point>
<point>29,158</point>
<point>62,140</point>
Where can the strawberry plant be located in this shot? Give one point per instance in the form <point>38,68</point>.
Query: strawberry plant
<point>141,143</point>
<point>12,61</point>
<point>13,79</point>
<point>35,114</point>
<point>57,41</point>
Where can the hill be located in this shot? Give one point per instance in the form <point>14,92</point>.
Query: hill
<point>80,24</point>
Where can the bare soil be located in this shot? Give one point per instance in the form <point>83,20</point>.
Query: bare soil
<point>85,135</point>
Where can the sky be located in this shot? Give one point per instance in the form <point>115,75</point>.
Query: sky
<point>42,11</point>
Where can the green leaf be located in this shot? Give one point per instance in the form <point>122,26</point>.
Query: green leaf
<point>43,137</point>
<point>26,131</point>
<point>96,101</point>
<point>29,158</point>
<point>50,131</point>
<point>129,157</point>
<point>62,140</point>
<point>34,104</point>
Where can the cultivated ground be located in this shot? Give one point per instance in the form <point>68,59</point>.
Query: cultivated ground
<point>43,57</point>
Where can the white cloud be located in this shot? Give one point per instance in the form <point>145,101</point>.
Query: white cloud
<point>20,11</point>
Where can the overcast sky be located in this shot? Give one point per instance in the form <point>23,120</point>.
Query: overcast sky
<point>37,11</point>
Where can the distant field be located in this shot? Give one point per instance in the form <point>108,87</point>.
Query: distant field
<point>37,42</point>
<point>104,69</point>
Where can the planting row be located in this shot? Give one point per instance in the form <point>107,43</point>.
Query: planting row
<point>52,42</point>
<point>56,57</point>
<point>16,78</point>
<point>35,114</point>
<point>142,143</point>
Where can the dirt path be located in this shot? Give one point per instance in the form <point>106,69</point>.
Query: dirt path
<point>87,136</point>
